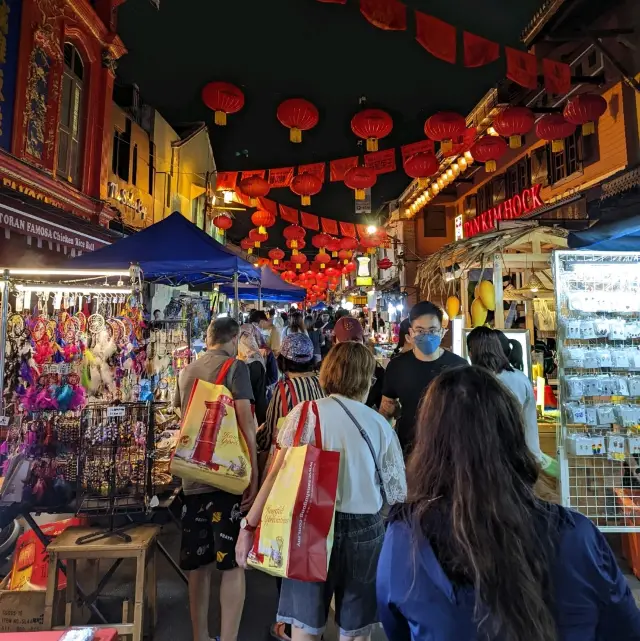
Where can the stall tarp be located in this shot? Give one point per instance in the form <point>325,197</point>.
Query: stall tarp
<point>617,235</point>
<point>173,252</point>
<point>273,288</point>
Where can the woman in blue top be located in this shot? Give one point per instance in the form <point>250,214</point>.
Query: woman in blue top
<point>474,555</point>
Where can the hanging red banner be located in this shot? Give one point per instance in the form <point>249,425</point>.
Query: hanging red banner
<point>522,68</point>
<point>382,162</point>
<point>557,76</point>
<point>390,15</point>
<point>348,229</point>
<point>479,51</point>
<point>260,173</point>
<point>329,226</point>
<point>338,168</point>
<point>226,180</point>
<point>316,168</point>
<point>436,36</point>
<point>424,146</point>
<point>310,221</point>
<point>269,205</point>
<point>281,177</point>
<point>468,138</point>
<point>289,214</point>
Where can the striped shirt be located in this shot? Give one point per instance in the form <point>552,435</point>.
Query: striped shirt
<point>306,387</point>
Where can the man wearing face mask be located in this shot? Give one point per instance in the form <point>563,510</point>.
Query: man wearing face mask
<point>211,518</point>
<point>408,375</point>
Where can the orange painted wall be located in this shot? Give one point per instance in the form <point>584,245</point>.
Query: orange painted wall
<point>426,246</point>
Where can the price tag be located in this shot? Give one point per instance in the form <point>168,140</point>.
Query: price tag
<point>117,411</point>
<point>4,421</point>
<point>64,368</point>
<point>51,368</point>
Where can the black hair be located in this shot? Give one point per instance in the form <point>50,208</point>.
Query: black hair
<point>257,315</point>
<point>286,365</point>
<point>156,310</point>
<point>512,350</point>
<point>341,313</point>
<point>425,308</point>
<point>405,326</point>
<point>485,350</point>
<point>222,330</point>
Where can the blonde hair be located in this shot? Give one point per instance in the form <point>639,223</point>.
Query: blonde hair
<point>347,370</point>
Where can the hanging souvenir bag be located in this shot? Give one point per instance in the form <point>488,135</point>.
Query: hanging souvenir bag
<point>295,536</point>
<point>212,448</point>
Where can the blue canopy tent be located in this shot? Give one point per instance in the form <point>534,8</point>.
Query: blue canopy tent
<point>271,288</point>
<point>172,252</point>
<point>318,307</point>
<point>617,235</point>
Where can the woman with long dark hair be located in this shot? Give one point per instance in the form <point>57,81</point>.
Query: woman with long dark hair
<point>473,555</point>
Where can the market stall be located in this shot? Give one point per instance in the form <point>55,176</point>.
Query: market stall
<point>271,288</point>
<point>506,271</point>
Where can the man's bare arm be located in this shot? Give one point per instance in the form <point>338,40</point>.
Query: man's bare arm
<point>388,407</point>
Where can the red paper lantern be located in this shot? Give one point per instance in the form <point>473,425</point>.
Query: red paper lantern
<point>254,187</point>
<point>333,246</point>
<point>370,244</point>
<point>332,273</point>
<point>294,235</point>
<point>298,260</point>
<point>584,109</point>
<point>223,222</point>
<point>247,245</point>
<point>276,255</point>
<point>295,245</point>
<point>223,98</point>
<point>298,115</point>
<point>384,263</point>
<point>323,258</point>
<point>319,241</point>
<point>256,237</point>
<point>555,128</point>
<point>344,255</point>
<point>288,276</point>
<point>348,243</point>
<point>305,186</point>
<point>359,179</point>
<point>488,150</point>
<point>263,261</point>
<point>513,123</point>
<point>445,127</point>
<point>348,268</point>
<point>372,124</point>
<point>421,166</point>
<point>263,219</point>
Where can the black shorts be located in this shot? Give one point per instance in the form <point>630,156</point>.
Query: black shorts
<point>210,529</point>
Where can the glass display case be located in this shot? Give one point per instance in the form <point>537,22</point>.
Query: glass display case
<point>598,308</point>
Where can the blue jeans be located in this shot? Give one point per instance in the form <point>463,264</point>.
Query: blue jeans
<point>351,579</point>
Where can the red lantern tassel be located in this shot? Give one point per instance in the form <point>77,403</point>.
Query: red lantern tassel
<point>490,166</point>
<point>372,144</point>
<point>588,128</point>
<point>295,134</point>
<point>262,230</point>
<point>220,118</point>
<point>359,194</point>
<point>557,145</point>
<point>515,141</point>
<point>446,145</point>
<point>306,200</point>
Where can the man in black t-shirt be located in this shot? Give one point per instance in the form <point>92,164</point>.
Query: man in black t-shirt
<point>408,375</point>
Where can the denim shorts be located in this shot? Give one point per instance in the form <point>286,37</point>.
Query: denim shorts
<point>351,579</point>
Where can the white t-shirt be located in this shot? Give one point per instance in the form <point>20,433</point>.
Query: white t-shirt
<point>358,491</point>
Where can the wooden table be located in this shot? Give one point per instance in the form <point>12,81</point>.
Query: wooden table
<point>141,548</point>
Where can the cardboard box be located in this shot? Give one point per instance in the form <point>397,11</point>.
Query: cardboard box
<point>24,611</point>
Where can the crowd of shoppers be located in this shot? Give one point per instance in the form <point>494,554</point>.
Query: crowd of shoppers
<point>470,551</point>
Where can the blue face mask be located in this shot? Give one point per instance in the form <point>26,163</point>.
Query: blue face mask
<point>427,343</point>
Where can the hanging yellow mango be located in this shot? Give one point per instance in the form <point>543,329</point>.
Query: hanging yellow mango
<point>478,313</point>
<point>453,306</point>
<point>487,294</point>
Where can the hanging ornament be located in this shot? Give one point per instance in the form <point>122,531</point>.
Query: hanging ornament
<point>257,238</point>
<point>305,186</point>
<point>289,276</point>
<point>359,179</point>
<point>333,246</point>
<point>445,127</point>
<point>263,219</point>
<point>513,123</point>
<point>344,256</point>
<point>384,263</point>
<point>297,115</point>
<point>222,98</point>
<point>294,235</point>
<point>295,245</point>
<point>299,260</point>
<point>348,243</point>
<point>254,187</point>
<point>223,222</point>
<point>585,109</point>
<point>371,125</point>
<point>489,149</point>
<point>320,241</point>
<point>555,128</point>
<point>276,255</point>
<point>421,166</point>
<point>247,245</point>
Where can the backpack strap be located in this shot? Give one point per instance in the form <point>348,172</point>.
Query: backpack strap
<point>283,395</point>
<point>303,419</point>
<point>224,370</point>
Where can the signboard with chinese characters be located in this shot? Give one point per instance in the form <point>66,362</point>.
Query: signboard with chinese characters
<point>527,201</point>
<point>459,227</point>
<point>10,11</point>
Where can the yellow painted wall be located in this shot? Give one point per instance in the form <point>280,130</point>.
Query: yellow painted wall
<point>140,190</point>
<point>167,168</point>
<point>429,245</point>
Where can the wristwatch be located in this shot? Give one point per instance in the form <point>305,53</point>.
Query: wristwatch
<point>244,525</point>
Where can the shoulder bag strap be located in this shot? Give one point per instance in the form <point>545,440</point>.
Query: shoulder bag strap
<point>301,422</point>
<point>367,440</point>
<point>303,419</point>
<point>224,370</point>
<point>283,398</point>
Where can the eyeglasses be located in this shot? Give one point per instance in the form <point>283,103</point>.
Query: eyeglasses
<point>432,331</point>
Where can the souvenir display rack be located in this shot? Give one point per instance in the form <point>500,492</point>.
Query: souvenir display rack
<point>598,307</point>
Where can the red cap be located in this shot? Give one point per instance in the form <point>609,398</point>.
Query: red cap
<point>348,329</point>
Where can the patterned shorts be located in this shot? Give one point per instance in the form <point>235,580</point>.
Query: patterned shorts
<point>210,529</point>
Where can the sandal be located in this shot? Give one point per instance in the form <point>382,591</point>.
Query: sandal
<point>278,631</point>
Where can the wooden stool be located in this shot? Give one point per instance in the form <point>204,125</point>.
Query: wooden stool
<point>142,548</point>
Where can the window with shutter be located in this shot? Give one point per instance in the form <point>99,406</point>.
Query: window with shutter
<point>563,164</point>
<point>71,119</point>
<point>435,222</point>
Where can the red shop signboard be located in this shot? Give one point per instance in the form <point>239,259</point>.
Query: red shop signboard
<point>525,202</point>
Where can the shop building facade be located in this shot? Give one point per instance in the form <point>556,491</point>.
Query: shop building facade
<point>57,71</point>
